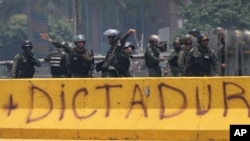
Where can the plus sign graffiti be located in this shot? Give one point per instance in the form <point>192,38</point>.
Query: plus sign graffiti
<point>10,105</point>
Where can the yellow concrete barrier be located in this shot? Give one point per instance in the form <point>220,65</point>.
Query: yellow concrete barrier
<point>188,109</point>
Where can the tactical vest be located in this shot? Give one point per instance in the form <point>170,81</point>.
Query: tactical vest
<point>58,64</point>
<point>78,65</point>
<point>25,67</point>
<point>201,62</point>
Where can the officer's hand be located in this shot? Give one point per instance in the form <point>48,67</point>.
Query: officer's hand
<point>130,31</point>
<point>46,37</point>
<point>43,36</point>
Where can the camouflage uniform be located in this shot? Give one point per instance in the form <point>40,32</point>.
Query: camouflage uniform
<point>152,57</point>
<point>172,60</point>
<point>187,42</point>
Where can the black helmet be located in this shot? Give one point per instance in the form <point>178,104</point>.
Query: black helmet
<point>203,37</point>
<point>27,43</point>
<point>129,44</point>
<point>79,38</point>
<point>114,34</point>
<point>154,39</point>
<point>195,32</point>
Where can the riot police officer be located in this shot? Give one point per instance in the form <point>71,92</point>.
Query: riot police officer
<point>24,63</point>
<point>195,34</point>
<point>172,60</point>
<point>201,61</point>
<point>79,56</point>
<point>152,56</point>
<point>187,45</point>
<point>59,62</point>
<point>110,66</point>
<point>123,64</point>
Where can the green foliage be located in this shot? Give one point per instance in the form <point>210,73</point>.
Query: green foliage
<point>12,34</point>
<point>56,8</point>
<point>136,10</point>
<point>17,27</point>
<point>14,31</point>
<point>60,29</point>
<point>230,14</point>
<point>9,8</point>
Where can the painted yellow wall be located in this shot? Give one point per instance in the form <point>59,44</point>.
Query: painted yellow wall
<point>135,108</point>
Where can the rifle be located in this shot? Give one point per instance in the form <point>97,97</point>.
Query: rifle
<point>109,58</point>
<point>91,71</point>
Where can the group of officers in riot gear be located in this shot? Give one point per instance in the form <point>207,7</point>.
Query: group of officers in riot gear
<point>191,57</point>
<point>77,61</point>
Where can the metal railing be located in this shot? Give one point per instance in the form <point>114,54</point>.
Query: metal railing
<point>137,67</point>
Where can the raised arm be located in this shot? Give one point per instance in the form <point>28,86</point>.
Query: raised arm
<point>46,37</point>
<point>125,37</point>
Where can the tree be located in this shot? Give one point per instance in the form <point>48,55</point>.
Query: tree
<point>56,8</point>
<point>60,30</point>
<point>14,27</point>
<point>9,8</point>
<point>12,34</point>
<point>230,14</point>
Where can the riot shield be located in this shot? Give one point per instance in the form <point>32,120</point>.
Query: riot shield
<point>213,43</point>
<point>232,60</point>
<point>245,52</point>
<point>213,40</point>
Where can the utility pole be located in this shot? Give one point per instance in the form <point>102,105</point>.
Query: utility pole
<point>75,16</point>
